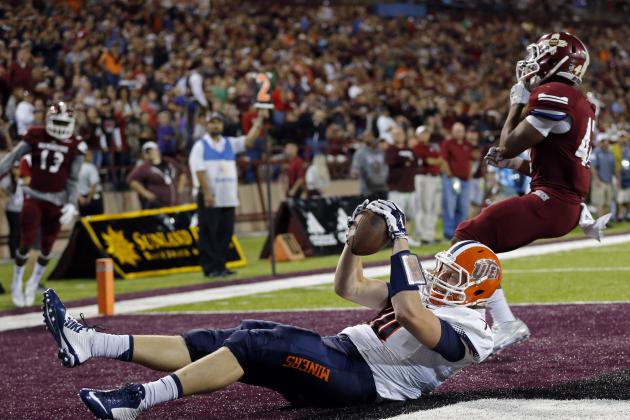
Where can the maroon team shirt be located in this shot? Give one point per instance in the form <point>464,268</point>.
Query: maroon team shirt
<point>51,159</point>
<point>160,179</point>
<point>458,157</point>
<point>424,152</point>
<point>402,168</point>
<point>560,163</point>
<point>295,170</point>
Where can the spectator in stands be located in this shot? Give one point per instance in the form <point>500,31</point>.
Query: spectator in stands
<point>477,187</point>
<point>11,188</point>
<point>317,177</point>
<point>166,134</point>
<point>158,180</point>
<point>21,70</point>
<point>368,164</point>
<point>89,186</point>
<point>113,142</point>
<point>427,185</point>
<point>458,156</point>
<point>385,124</point>
<point>212,163</point>
<point>296,173</point>
<point>603,171</point>
<point>403,166</point>
<point>25,113</point>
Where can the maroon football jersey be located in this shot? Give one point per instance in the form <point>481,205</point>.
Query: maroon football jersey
<point>51,159</point>
<point>561,162</point>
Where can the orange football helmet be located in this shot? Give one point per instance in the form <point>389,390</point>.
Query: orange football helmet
<point>466,274</point>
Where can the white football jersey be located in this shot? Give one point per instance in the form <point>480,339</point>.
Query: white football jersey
<point>403,368</point>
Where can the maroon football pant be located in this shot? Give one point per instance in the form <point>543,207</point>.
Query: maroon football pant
<point>36,214</point>
<point>517,221</point>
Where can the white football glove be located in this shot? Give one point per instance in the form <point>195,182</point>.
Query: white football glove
<point>393,215</point>
<point>68,212</point>
<point>358,210</point>
<point>494,158</point>
<point>519,94</point>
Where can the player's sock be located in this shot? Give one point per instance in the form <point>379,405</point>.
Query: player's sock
<point>16,285</point>
<point>112,346</point>
<point>499,308</point>
<point>166,389</point>
<point>36,275</point>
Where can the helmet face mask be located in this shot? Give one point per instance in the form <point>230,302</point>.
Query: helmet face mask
<point>465,275</point>
<point>560,54</point>
<point>60,121</point>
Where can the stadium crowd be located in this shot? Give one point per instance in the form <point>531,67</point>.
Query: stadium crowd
<point>138,73</point>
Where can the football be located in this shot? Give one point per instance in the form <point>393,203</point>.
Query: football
<point>369,235</point>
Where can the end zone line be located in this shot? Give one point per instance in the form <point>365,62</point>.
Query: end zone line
<point>12,322</point>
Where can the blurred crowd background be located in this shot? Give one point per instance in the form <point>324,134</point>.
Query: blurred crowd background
<point>347,77</point>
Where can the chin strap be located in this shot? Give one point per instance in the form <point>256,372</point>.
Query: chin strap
<point>591,227</point>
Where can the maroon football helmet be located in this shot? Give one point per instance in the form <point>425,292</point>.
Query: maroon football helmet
<point>60,121</point>
<point>555,54</point>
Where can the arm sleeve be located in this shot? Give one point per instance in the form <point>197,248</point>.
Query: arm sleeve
<point>136,174</point>
<point>450,345</point>
<point>18,151</point>
<point>195,160</point>
<point>545,125</point>
<point>238,143</point>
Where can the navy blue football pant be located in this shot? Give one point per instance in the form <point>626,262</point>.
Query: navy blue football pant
<point>304,367</point>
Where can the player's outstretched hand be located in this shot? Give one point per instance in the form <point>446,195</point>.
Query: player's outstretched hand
<point>68,212</point>
<point>495,158</point>
<point>519,94</point>
<point>393,215</point>
<point>358,210</point>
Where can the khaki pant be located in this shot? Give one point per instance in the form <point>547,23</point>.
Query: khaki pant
<point>427,203</point>
<point>601,195</point>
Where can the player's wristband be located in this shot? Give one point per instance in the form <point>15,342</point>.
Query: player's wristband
<point>406,273</point>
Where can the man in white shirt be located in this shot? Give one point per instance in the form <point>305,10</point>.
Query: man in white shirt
<point>212,163</point>
<point>90,190</point>
<point>25,113</point>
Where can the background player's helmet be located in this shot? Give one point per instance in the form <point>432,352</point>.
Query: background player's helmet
<point>60,121</point>
<point>478,273</point>
<point>558,53</point>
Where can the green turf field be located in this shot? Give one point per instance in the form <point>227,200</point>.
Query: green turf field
<point>86,288</point>
<point>593,274</point>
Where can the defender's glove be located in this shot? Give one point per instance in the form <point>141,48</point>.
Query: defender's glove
<point>494,158</point>
<point>393,215</point>
<point>68,212</point>
<point>360,208</point>
<point>519,94</point>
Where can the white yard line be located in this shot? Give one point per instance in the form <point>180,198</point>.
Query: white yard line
<point>534,409</point>
<point>12,322</point>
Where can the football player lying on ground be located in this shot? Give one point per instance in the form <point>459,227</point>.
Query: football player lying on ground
<point>429,327</point>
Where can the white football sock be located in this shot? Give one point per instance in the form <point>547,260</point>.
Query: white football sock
<point>168,388</point>
<point>111,346</point>
<point>36,275</point>
<point>18,273</point>
<point>499,308</point>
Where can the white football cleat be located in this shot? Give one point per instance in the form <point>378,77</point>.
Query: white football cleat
<point>509,333</point>
<point>73,338</point>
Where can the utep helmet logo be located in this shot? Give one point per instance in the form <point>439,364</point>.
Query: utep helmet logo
<point>486,269</point>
